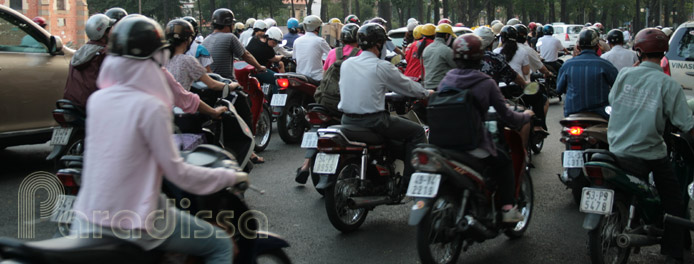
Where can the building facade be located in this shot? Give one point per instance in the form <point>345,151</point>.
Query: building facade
<point>66,18</point>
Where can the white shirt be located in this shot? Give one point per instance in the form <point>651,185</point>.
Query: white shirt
<point>364,81</point>
<point>533,58</point>
<point>626,36</point>
<point>549,48</point>
<point>620,57</point>
<point>309,51</point>
<point>245,36</point>
<point>519,59</point>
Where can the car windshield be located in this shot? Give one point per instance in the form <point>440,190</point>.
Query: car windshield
<point>686,47</point>
<point>397,38</point>
<point>574,29</point>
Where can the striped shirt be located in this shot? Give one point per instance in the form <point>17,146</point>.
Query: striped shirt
<point>223,47</point>
<point>586,79</point>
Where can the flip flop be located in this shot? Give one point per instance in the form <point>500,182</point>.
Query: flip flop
<point>257,160</point>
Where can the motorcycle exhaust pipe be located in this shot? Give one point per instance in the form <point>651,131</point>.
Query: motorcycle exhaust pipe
<point>635,240</point>
<point>470,223</point>
<point>366,202</point>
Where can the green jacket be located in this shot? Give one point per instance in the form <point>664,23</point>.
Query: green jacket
<point>437,59</point>
<point>643,98</point>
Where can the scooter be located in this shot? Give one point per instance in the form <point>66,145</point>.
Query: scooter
<point>68,138</point>
<point>254,244</point>
<point>290,104</point>
<point>260,108</point>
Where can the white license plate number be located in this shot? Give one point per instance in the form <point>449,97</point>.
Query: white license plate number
<point>326,163</point>
<point>266,88</point>
<point>423,185</point>
<point>61,136</point>
<point>310,140</point>
<point>62,213</point>
<point>278,100</point>
<point>573,159</point>
<point>597,201</point>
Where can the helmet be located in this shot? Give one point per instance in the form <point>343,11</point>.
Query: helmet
<point>97,25</point>
<point>531,26</point>
<point>348,34</point>
<point>417,32</point>
<point>659,27</point>
<point>179,30</point>
<point>40,21</point>
<point>274,33</point>
<point>588,24</point>
<point>260,25</point>
<point>445,21</point>
<point>595,29</point>
<point>445,28</point>
<point>136,37</point>
<point>651,40</point>
<point>312,23</point>
<point>379,20</point>
<point>334,20</point>
<point>588,38</point>
<point>352,19</point>
<point>522,32</point>
<point>371,34</point>
<point>513,21</point>
<point>548,30</point>
<point>428,30</point>
<point>239,26</point>
<point>412,20</point>
<point>599,26</point>
<point>615,37</point>
<point>459,24</point>
<point>494,22</point>
<point>270,22</point>
<point>486,35</point>
<point>667,31</point>
<point>468,47</point>
<point>116,13</point>
<point>223,17</point>
<point>496,28</point>
<point>411,26</point>
<point>193,22</point>
<point>292,23</point>
<point>250,22</point>
<point>508,33</point>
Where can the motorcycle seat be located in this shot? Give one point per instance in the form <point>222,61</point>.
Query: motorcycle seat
<point>586,118</point>
<point>106,249</point>
<point>470,161</point>
<point>324,109</point>
<point>360,134</point>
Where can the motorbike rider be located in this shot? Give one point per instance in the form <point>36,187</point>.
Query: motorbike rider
<point>364,81</point>
<point>436,58</point>
<point>549,48</point>
<point>536,35</point>
<point>116,13</point>
<point>468,52</point>
<point>586,79</point>
<point>239,28</point>
<point>352,19</point>
<point>414,67</point>
<point>618,55</point>
<point>309,50</point>
<point>643,99</point>
<point>539,100</point>
<point>196,49</point>
<point>517,58</point>
<point>292,27</point>
<point>494,64</point>
<point>389,44</point>
<point>129,151</point>
<point>262,49</point>
<point>259,29</point>
<point>248,33</point>
<point>409,35</point>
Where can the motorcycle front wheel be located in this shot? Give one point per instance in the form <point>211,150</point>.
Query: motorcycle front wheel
<point>437,241</point>
<point>526,201</point>
<point>602,240</point>
<point>263,130</point>
<point>290,123</point>
<point>340,215</point>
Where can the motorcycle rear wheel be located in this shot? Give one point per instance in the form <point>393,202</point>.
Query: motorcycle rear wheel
<point>290,123</point>
<point>340,215</point>
<point>432,245</point>
<point>526,201</point>
<point>601,241</point>
<point>538,142</point>
<point>263,130</point>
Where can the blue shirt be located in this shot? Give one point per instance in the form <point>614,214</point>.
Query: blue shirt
<point>586,79</point>
<point>289,37</point>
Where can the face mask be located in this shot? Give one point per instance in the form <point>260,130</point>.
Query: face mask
<point>384,51</point>
<point>162,57</point>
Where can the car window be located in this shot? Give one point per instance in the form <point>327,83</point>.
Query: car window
<point>14,38</point>
<point>397,38</point>
<point>558,30</point>
<point>686,45</point>
<point>574,29</point>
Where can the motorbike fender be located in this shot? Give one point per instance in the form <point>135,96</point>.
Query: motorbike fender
<point>57,150</point>
<point>591,221</point>
<point>326,180</point>
<point>269,242</point>
<point>419,210</point>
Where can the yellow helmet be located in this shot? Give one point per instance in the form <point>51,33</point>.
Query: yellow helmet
<point>445,28</point>
<point>335,20</point>
<point>417,32</point>
<point>428,30</point>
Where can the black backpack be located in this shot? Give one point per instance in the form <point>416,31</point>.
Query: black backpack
<point>328,92</point>
<point>455,120</point>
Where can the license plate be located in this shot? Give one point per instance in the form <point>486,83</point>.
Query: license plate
<point>597,201</point>
<point>326,163</point>
<point>62,213</point>
<point>266,88</point>
<point>278,100</point>
<point>61,136</point>
<point>310,140</point>
<point>423,185</point>
<point>573,159</point>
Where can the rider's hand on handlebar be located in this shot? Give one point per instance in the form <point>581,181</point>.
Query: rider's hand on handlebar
<point>218,111</point>
<point>529,112</point>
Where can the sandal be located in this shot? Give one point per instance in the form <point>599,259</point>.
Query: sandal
<point>257,160</point>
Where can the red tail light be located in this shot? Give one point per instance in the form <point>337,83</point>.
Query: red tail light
<point>67,180</point>
<point>423,158</point>
<point>576,147</point>
<point>665,64</point>
<point>327,144</point>
<point>567,37</point>
<point>575,131</point>
<point>62,117</point>
<point>594,174</point>
<point>316,118</point>
<point>283,83</point>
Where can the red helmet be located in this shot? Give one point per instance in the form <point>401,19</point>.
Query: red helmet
<point>532,26</point>
<point>40,21</point>
<point>459,25</point>
<point>468,47</point>
<point>445,21</point>
<point>598,25</point>
<point>651,40</point>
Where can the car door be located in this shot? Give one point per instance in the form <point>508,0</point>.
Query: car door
<point>32,79</point>
<point>681,57</point>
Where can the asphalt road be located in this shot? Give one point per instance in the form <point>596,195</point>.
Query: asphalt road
<point>297,213</point>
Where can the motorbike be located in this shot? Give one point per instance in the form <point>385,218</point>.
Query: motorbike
<point>68,138</point>
<point>255,247</point>
<point>319,117</point>
<point>455,203</point>
<point>515,95</point>
<point>290,104</point>
<point>547,85</point>
<point>622,206</point>
<point>260,107</point>
<point>359,170</point>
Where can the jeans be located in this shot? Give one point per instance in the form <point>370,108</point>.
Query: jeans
<point>217,250</point>
<point>269,78</point>
<point>537,102</point>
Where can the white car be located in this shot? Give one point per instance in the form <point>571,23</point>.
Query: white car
<point>567,34</point>
<point>398,35</point>
<point>680,57</point>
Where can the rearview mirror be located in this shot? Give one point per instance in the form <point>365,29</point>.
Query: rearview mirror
<point>56,46</point>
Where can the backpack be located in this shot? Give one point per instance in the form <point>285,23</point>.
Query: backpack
<point>454,119</point>
<point>328,92</point>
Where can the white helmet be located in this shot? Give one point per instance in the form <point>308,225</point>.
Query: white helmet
<point>97,25</point>
<point>260,25</point>
<point>250,22</point>
<point>412,25</point>
<point>412,20</point>
<point>667,31</point>
<point>270,22</point>
<point>486,35</point>
<point>311,23</point>
<point>513,21</point>
<point>274,33</point>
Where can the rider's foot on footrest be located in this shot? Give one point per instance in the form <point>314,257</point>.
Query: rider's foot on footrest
<point>512,215</point>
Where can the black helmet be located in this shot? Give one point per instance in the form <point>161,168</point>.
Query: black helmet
<point>116,13</point>
<point>371,34</point>
<point>378,20</point>
<point>193,22</point>
<point>615,37</point>
<point>548,30</point>
<point>588,38</point>
<point>349,33</point>
<point>508,33</point>
<point>178,31</point>
<point>136,37</point>
<point>223,17</point>
<point>522,32</point>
